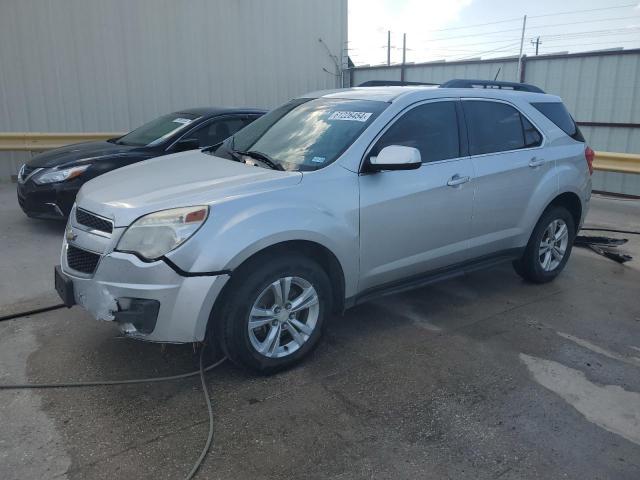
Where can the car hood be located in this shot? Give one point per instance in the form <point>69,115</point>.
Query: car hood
<point>170,181</point>
<point>79,152</point>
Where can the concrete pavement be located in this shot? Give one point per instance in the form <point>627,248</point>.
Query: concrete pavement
<point>479,377</point>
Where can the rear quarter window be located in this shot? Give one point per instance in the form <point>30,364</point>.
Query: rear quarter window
<point>558,114</point>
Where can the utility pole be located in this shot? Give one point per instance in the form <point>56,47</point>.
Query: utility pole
<point>524,25</point>
<point>404,55</point>
<point>388,47</point>
<point>537,43</point>
<point>404,48</point>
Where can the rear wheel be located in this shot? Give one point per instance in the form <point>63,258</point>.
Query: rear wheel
<point>274,313</point>
<point>549,247</point>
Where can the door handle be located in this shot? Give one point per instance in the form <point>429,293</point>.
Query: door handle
<point>457,180</point>
<point>536,162</point>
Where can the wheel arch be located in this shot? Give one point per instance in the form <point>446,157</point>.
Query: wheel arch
<point>571,201</point>
<point>327,260</point>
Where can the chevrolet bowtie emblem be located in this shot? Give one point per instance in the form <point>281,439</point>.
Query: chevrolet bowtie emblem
<point>70,235</point>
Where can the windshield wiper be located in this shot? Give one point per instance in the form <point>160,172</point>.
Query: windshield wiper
<point>263,158</point>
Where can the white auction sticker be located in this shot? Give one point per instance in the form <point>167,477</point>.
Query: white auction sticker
<point>352,116</point>
<point>183,121</point>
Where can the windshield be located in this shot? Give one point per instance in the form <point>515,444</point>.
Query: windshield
<point>305,134</point>
<point>157,130</point>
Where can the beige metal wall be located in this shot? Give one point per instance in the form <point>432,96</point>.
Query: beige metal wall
<point>109,66</point>
<point>599,87</point>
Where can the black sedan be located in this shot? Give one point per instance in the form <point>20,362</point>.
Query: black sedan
<point>48,183</point>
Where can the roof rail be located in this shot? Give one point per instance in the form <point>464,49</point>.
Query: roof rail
<point>391,83</point>
<point>464,83</point>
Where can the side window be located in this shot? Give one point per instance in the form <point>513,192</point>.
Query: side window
<point>432,128</point>
<point>532,137</point>
<point>217,131</point>
<point>497,127</point>
<point>558,114</point>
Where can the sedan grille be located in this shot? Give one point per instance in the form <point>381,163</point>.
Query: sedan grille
<point>82,260</point>
<point>93,221</point>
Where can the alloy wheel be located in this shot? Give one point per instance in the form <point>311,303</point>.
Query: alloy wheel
<point>283,317</point>
<point>553,245</point>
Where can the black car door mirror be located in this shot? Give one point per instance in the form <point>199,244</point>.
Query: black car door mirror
<point>187,144</point>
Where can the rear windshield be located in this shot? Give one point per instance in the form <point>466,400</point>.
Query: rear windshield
<point>558,114</point>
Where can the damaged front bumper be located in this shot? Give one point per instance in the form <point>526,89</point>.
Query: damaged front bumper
<point>146,300</point>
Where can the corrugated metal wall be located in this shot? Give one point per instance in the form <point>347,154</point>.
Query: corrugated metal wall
<point>601,87</point>
<point>92,65</point>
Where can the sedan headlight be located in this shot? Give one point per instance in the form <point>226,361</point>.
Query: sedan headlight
<point>54,176</point>
<point>156,234</point>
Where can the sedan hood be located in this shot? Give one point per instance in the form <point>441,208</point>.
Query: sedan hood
<point>182,179</point>
<point>78,152</point>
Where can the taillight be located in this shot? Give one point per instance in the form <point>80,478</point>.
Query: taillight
<point>589,154</point>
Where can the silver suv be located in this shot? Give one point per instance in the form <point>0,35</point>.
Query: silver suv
<point>323,203</point>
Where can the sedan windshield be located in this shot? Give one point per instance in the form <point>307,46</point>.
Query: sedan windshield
<point>304,134</point>
<point>158,130</point>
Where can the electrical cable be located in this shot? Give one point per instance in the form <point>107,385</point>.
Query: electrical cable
<point>629,5</point>
<point>96,383</point>
<point>205,391</point>
<point>12,316</point>
<point>201,371</point>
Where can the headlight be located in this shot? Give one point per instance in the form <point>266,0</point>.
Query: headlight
<point>156,234</point>
<point>54,176</point>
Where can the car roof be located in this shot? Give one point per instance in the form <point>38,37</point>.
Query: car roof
<point>215,111</point>
<point>394,93</point>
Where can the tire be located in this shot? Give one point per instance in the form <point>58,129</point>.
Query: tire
<point>541,261</point>
<point>296,330</point>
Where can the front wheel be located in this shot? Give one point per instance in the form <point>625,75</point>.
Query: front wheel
<point>549,247</point>
<point>274,313</point>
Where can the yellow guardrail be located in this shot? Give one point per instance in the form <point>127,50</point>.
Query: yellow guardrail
<point>617,162</point>
<point>36,141</point>
<point>31,141</point>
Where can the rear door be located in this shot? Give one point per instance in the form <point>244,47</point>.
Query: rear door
<point>414,221</point>
<point>509,164</point>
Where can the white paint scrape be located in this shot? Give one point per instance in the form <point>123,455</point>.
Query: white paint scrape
<point>608,406</point>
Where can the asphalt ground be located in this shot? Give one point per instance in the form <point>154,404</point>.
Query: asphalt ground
<point>479,377</point>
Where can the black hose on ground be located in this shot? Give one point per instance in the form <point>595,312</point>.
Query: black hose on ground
<point>26,313</point>
<point>205,390</point>
<point>599,229</point>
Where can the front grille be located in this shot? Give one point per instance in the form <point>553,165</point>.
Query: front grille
<point>93,221</point>
<point>82,260</point>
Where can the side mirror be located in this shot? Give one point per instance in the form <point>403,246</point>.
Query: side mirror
<point>396,157</point>
<point>187,144</point>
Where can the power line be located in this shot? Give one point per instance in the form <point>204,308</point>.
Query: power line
<point>476,25</point>
<point>585,11</point>
<point>501,44</point>
<point>507,47</point>
<point>518,29</point>
<point>584,21</point>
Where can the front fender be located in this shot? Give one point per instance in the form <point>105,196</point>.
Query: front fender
<point>241,227</point>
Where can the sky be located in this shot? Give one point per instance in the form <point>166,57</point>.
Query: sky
<point>460,29</point>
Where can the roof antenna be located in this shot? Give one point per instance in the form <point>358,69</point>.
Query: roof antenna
<point>497,73</point>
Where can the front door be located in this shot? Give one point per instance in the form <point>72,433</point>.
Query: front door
<point>415,221</point>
